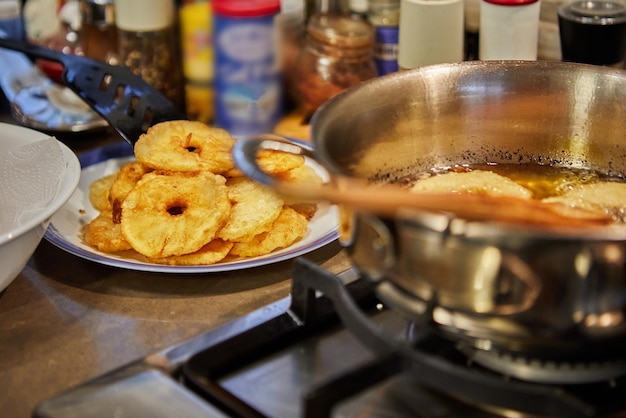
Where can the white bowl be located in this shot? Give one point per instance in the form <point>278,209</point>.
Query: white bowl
<point>18,245</point>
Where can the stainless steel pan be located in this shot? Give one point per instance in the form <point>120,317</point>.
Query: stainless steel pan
<point>520,288</point>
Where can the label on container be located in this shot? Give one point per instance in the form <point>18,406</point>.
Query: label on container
<point>386,49</point>
<point>248,90</point>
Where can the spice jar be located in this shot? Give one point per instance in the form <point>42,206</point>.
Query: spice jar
<point>98,34</point>
<point>148,43</point>
<point>337,54</point>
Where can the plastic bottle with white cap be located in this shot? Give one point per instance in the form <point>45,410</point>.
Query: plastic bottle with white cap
<point>509,29</point>
<point>148,43</point>
<point>430,32</point>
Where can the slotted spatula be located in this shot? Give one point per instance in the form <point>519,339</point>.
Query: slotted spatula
<point>128,103</point>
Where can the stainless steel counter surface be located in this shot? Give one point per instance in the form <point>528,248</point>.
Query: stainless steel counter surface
<point>65,320</point>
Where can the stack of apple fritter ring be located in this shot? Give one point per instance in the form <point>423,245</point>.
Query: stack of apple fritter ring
<point>183,202</point>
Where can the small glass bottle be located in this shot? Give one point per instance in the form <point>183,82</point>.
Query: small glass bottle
<point>98,33</point>
<point>148,43</point>
<point>385,15</point>
<point>337,54</point>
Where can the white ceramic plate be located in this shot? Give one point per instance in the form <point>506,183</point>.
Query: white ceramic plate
<point>64,229</point>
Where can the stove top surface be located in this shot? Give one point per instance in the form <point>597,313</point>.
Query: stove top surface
<point>296,358</point>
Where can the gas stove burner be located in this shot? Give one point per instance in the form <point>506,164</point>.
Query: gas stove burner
<point>532,369</point>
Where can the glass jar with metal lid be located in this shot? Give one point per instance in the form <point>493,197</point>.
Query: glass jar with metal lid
<point>337,54</point>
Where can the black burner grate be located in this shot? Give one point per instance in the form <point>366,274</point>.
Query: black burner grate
<point>322,302</point>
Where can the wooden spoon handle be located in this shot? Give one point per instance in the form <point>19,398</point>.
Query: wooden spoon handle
<point>388,200</point>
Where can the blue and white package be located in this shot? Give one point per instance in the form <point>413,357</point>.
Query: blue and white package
<point>248,88</point>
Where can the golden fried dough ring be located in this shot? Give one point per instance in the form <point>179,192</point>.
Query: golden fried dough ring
<point>128,175</point>
<point>102,234</point>
<point>184,145</point>
<point>254,209</point>
<point>174,213</point>
<point>213,252</point>
<point>99,193</point>
<point>477,181</point>
<point>602,198</point>
<point>289,227</point>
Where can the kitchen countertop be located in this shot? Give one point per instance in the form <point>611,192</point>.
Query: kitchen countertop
<point>66,320</point>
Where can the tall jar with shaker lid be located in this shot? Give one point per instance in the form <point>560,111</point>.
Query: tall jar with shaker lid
<point>148,43</point>
<point>248,85</point>
<point>337,54</point>
<point>509,29</point>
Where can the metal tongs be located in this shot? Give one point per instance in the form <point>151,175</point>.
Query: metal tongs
<point>128,103</point>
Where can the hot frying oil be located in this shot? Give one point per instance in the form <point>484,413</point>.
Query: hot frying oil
<point>543,181</point>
